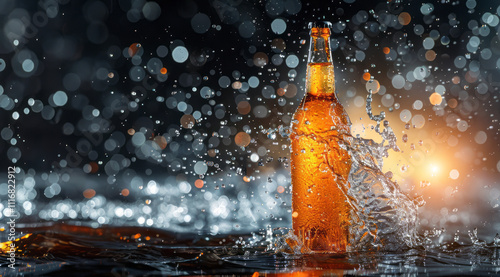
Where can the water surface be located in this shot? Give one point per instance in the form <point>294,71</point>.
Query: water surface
<point>63,249</point>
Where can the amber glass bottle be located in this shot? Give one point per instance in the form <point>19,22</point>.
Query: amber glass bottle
<point>320,163</point>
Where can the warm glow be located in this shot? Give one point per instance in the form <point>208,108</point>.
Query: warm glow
<point>454,174</point>
<point>434,169</point>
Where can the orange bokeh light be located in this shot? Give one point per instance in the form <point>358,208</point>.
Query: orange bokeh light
<point>161,141</point>
<point>133,49</point>
<point>198,183</point>
<point>188,121</point>
<point>404,18</point>
<point>242,139</point>
<point>430,55</point>
<point>244,107</point>
<point>280,189</point>
<point>236,85</point>
<point>435,98</point>
<point>452,103</point>
<point>89,193</point>
<point>367,76</point>
<point>93,167</point>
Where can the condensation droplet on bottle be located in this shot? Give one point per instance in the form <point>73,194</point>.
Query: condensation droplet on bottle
<point>424,184</point>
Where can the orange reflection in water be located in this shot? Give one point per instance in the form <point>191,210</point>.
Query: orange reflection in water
<point>5,247</point>
<point>308,273</point>
<point>322,265</point>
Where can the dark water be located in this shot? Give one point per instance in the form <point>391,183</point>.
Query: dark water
<point>71,250</point>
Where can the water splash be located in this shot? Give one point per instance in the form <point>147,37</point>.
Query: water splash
<point>386,217</point>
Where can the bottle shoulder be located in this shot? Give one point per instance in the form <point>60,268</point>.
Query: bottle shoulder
<point>319,115</point>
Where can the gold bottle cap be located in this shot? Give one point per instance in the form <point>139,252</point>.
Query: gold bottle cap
<point>320,24</point>
<point>320,28</point>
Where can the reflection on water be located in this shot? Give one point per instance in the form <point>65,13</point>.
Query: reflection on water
<point>59,249</point>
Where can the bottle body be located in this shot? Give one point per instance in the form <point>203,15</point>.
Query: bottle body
<point>320,164</point>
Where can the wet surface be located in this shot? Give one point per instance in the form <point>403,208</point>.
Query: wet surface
<point>59,249</point>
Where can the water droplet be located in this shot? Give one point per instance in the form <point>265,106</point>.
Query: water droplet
<point>496,240</point>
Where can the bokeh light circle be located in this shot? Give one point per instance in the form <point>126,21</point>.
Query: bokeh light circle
<point>200,23</point>
<point>180,54</point>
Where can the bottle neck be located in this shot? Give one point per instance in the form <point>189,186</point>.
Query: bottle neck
<point>320,80</point>
<point>319,47</point>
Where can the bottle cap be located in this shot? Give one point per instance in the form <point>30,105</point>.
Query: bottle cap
<point>320,24</point>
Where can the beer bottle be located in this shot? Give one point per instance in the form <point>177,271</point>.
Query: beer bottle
<point>320,163</point>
